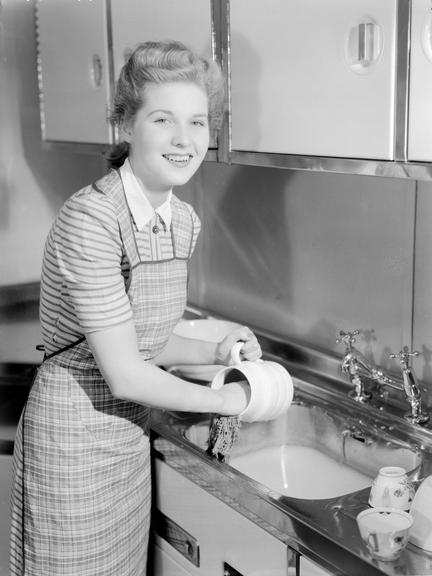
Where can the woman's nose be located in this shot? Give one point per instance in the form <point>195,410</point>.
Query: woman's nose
<point>181,136</point>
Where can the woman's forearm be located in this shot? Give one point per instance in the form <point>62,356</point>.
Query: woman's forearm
<point>133,379</point>
<point>181,350</point>
<point>148,384</point>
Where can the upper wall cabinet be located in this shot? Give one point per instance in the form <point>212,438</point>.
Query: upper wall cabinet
<point>420,90</point>
<point>82,46</point>
<point>313,77</point>
<point>133,21</point>
<point>73,69</point>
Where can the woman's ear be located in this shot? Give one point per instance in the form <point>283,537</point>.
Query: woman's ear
<point>125,132</point>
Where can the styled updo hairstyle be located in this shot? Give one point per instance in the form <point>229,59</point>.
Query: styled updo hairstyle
<point>160,62</point>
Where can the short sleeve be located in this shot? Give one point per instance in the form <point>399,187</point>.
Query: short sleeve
<point>196,225</point>
<point>89,254</point>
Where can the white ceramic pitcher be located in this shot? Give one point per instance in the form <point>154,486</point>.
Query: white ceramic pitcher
<point>271,386</point>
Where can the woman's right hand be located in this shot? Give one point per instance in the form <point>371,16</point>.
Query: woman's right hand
<point>236,396</point>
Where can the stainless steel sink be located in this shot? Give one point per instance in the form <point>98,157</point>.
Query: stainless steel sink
<point>314,451</point>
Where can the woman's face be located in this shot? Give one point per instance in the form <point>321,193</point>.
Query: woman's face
<point>169,135</point>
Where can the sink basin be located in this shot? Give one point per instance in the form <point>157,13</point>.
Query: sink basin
<point>313,452</point>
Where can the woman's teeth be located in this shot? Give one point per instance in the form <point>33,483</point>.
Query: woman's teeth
<point>177,159</point>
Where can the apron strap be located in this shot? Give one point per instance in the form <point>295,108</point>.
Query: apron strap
<point>41,348</point>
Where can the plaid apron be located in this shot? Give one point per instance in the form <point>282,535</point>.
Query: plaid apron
<point>82,491</point>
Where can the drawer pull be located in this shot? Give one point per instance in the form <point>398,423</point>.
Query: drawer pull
<point>177,537</point>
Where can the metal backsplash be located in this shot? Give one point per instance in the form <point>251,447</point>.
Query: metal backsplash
<point>304,255</point>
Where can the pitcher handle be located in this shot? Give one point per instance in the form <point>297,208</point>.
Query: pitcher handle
<point>235,353</point>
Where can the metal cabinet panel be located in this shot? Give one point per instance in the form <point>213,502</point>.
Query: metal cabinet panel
<point>313,78</point>
<point>164,563</point>
<point>309,568</point>
<point>73,70</point>
<point>222,534</point>
<point>420,91</point>
<point>135,21</point>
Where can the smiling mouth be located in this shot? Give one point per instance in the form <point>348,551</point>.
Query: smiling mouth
<point>179,160</point>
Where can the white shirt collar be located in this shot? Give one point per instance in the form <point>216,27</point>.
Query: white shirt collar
<point>140,207</point>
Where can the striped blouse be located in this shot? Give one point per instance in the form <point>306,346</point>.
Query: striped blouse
<point>85,269</point>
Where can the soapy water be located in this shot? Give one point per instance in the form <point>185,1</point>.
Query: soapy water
<point>300,472</point>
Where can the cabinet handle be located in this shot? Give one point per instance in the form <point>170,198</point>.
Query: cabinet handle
<point>366,38</point>
<point>177,537</point>
<point>363,45</point>
<point>96,71</point>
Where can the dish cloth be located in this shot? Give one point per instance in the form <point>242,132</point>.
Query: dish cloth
<point>223,433</point>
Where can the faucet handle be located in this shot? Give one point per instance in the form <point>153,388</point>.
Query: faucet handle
<point>347,337</point>
<point>404,355</point>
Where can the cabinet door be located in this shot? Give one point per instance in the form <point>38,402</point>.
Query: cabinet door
<point>134,21</point>
<point>313,78</point>
<point>163,562</point>
<point>73,71</point>
<point>221,535</point>
<point>309,568</point>
<point>420,91</point>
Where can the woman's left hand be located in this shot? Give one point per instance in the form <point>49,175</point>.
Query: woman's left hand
<point>251,349</point>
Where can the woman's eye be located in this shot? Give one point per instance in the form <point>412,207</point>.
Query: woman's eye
<point>162,120</point>
<point>202,123</point>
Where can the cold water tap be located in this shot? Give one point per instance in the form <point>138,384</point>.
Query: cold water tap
<point>410,386</point>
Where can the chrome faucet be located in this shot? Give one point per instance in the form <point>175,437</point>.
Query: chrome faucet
<point>410,386</point>
<point>359,368</point>
<point>355,364</point>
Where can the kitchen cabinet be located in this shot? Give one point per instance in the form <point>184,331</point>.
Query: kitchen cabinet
<point>134,21</point>
<point>420,88</point>
<point>313,78</point>
<point>82,46</point>
<point>309,568</point>
<point>73,70</point>
<point>198,534</point>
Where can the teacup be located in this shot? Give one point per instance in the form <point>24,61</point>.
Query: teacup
<point>271,386</point>
<point>385,531</point>
<point>392,489</point>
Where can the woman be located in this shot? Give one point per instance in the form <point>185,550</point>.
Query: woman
<point>113,287</point>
